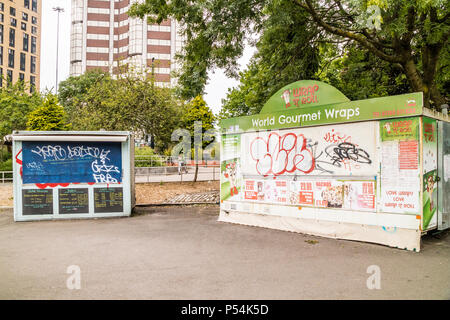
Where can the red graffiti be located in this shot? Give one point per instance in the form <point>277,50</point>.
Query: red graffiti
<point>336,137</point>
<point>18,161</point>
<point>281,154</point>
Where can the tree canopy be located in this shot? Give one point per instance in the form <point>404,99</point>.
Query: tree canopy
<point>129,102</point>
<point>408,39</point>
<point>15,104</point>
<point>48,117</point>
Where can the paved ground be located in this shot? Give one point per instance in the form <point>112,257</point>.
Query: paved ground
<point>184,253</point>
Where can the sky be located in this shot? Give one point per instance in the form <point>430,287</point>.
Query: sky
<point>215,90</point>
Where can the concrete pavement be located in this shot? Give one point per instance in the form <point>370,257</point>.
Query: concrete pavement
<point>184,253</point>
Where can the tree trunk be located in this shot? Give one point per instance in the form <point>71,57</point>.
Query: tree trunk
<point>196,171</point>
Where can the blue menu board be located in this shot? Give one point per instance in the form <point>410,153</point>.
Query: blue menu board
<point>72,162</point>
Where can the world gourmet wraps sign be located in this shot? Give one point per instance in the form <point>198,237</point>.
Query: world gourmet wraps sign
<point>311,103</point>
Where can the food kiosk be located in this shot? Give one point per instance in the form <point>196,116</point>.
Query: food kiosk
<point>314,162</point>
<point>67,174</point>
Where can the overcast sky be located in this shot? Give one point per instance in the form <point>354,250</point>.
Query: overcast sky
<point>215,91</point>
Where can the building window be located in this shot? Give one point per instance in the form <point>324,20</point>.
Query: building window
<point>25,42</point>
<point>2,6</point>
<point>24,16</point>
<point>33,64</point>
<point>33,30</point>
<point>34,5</point>
<point>11,58</point>
<point>12,11</point>
<point>26,4</point>
<point>22,61</point>
<point>22,77</point>
<point>33,83</point>
<point>33,44</point>
<point>9,76</point>
<point>13,22</point>
<point>1,55</point>
<point>1,77</point>
<point>23,26</point>
<point>33,20</point>
<point>2,17</point>
<point>1,33</point>
<point>12,37</point>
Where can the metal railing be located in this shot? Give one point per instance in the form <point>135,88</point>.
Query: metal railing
<point>6,176</point>
<point>174,174</point>
<point>165,161</point>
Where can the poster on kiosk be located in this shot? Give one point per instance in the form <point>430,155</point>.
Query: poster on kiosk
<point>314,162</point>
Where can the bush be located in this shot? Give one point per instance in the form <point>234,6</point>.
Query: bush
<point>146,157</point>
<point>6,165</point>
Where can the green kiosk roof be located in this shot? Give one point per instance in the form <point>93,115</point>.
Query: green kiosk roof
<point>308,103</point>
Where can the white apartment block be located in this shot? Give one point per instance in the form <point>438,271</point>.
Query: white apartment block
<point>104,36</point>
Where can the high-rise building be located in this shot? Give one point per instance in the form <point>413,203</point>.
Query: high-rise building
<point>20,41</point>
<point>104,36</point>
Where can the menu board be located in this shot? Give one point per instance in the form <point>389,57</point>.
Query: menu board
<point>73,200</point>
<point>37,201</point>
<point>108,200</point>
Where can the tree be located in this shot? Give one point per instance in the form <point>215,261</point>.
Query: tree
<point>129,102</point>
<point>15,104</point>
<point>411,36</point>
<point>198,111</point>
<point>73,89</point>
<point>48,117</point>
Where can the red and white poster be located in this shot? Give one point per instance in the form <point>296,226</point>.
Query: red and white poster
<point>400,200</point>
<point>250,190</point>
<point>302,192</point>
<point>275,191</point>
<point>359,195</point>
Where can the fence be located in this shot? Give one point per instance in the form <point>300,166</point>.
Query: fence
<point>166,161</point>
<point>174,174</point>
<point>6,176</point>
<point>206,172</point>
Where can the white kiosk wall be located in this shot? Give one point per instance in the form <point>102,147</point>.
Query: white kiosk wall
<point>67,175</point>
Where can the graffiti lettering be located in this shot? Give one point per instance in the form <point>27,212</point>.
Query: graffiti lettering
<point>282,154</point>
<point>347,151</point>
<point>55,152</point>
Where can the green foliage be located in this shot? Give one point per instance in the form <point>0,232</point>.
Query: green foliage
<point>48,117</point>
<point>197,110</point>
<point>131,102</point>
<point>72,90</point>
<point>408,40</point>
<point>6,165</point>
<point>146,157</point>
<point>360,75</point>
<point>15,104</point>
<point>285,54</point>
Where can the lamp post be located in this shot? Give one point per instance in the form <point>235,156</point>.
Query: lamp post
<point>59,10</point>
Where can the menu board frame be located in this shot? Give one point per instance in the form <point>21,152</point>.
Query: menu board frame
<point>107,209</point>
<point>39,211</point>
<point>85,208</point>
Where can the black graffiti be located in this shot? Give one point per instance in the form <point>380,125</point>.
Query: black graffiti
<point>319,164</point>
<point>347,151</point>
